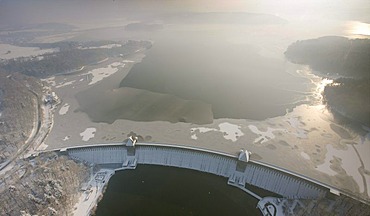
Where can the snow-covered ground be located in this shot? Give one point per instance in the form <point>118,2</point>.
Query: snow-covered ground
<point>108,46</point>
<point>100,73</point>
<point>91,193</point>
<point>8,51</point>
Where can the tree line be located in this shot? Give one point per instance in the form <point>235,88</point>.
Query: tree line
<point>69,57</point>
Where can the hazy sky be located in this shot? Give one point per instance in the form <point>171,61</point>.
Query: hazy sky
<point>38,11</point>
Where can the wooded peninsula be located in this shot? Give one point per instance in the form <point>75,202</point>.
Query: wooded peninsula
<point>347,62</point>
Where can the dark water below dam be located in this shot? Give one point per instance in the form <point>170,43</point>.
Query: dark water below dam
<point>158,190</point>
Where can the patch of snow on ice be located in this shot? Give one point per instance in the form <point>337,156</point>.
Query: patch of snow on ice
<point>88,134</point>
<point>264,136</point>
<point>349,162</point>
<point>194,137</point>
<point>64,109</point>
<point>305,156</point>
<point>295,123</point>
<point>101,73</point>
<point>232,132</point>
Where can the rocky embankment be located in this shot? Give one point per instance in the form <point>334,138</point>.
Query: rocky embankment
<point>18,110</point>
<point>46,185</point>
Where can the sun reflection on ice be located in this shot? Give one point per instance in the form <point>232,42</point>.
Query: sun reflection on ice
<point>321,86</point>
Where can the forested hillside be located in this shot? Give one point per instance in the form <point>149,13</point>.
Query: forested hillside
<point>335,57</point>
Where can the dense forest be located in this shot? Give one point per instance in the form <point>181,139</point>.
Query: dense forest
<point>334,56</point>
<point>71,56</point>
<point>348,59</point>
<point>350,98</point>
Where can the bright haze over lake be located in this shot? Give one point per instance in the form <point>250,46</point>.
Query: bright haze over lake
<point>211,63</point>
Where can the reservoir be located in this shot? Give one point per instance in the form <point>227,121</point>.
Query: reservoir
<point>158,190</point>
<point>202,74</point>
<point>236,80</point>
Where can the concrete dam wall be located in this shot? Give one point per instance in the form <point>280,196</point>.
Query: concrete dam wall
<point>240,173</point>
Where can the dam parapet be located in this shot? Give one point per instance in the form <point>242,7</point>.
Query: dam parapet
<point>238,169</point>
<point>293,192</point>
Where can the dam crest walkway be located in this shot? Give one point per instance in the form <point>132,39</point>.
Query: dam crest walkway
<point>238,169</point>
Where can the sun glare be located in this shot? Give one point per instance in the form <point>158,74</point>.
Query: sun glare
<point>359,28</point>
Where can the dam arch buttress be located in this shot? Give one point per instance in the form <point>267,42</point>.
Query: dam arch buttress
<point>239,170</point>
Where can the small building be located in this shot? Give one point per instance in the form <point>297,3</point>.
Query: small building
<point>244,155</point>
<point>131,141</point>
<point>48,99</point>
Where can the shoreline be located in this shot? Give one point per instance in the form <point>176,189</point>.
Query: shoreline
<point>92,192</point>
<point>295,141</point>
<point>305,138</point>
<point>289,139</point>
